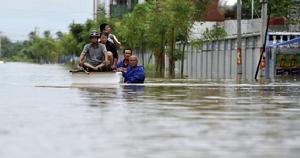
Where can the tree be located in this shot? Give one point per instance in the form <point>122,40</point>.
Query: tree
<point>278,8</point>
<point>9,48</point>
<point>59,35</point>
<point>47,34</point>
<point>32,35</point>
<point>68,45</point>
<point>158,25</point>
<point>140,27</point>
<point>181,20</point>
<point>77,31</point>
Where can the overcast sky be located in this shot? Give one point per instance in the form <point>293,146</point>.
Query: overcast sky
<point>19,17</point>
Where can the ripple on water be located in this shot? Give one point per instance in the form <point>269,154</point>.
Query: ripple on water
<point>177,118</point>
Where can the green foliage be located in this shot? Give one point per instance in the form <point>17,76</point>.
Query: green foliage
<point>198,43</point>
<point>278,8</point>
<point>68,45</point>
<point>76,31</point>
<point>150,70</point>
<point>135,26</point>
<point>59,35</point>
<point>209,35</point>
<point>214,34</point>
<point>20,57</point>
<point>44,50</point>
<point>78,37</point>
<point>177,54</point>
<point>47,34</point>
<point>9,48</point>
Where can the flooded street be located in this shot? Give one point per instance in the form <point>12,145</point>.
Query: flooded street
<point>42,116</point>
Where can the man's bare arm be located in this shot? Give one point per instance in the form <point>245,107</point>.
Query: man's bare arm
<point>81,59</point>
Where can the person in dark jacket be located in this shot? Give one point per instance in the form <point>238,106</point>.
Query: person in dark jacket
<point>135,73</point>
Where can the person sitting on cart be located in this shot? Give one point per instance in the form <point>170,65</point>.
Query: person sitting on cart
<point>94,55</point>
<point>112,38</point>
<point>111,49</point>
<point>135,73</point>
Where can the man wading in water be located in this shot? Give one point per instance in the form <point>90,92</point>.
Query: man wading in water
<point>135,73</point>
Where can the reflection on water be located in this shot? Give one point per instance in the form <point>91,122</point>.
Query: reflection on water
<point>172,120</point>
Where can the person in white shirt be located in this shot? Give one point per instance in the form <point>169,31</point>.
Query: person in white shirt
<point>111,37</point>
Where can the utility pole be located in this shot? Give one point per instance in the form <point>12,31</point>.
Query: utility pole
<point>95,9</point>
<point>264,17</point>
<point>129,5</point>
<point>239,38</point>
<point>252,9</point>
<point>0,44</point>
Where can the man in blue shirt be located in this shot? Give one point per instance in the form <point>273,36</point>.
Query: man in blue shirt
<point>123,64</point>
<point>135,73</point>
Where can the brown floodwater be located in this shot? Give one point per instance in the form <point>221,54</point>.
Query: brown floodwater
<point>43,116</point>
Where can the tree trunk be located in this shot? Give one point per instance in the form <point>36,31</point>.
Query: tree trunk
<point>182,58</point>
<point>142,50</point>
<point>142,53</point>
<point>160,57</point>
<point>171,57</point>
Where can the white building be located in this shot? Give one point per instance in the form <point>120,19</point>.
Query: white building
<point>107,4</point>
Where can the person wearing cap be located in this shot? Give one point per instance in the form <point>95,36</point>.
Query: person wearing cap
<point>123,64</point>
<point>94,55</point>
<point>135,73</point>
<point>111,49</point>
<point>112,38</point>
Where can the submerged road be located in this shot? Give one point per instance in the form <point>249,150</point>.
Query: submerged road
<point>43,115</point>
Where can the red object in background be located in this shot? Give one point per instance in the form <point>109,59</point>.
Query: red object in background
<point>212,12</point>
<point>277,21</point>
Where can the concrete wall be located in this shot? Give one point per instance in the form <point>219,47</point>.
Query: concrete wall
<point>248,27</point>
<point>218,59</point>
